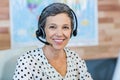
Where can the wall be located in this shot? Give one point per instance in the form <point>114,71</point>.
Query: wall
<point>109,30</point>
<point>4,25</point>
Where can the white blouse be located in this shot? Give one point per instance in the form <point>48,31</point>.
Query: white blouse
<point>33,65</point>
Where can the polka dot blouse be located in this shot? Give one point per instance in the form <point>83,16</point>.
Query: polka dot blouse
<point>33,65</point>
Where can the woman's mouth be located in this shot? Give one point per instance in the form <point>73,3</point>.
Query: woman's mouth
<point>59,41</point>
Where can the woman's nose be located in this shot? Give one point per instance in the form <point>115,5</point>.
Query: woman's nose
<point>59,32</point>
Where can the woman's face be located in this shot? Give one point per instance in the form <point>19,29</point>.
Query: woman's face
<point>58,30</point>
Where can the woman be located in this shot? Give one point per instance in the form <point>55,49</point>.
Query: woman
<point>53,61</point>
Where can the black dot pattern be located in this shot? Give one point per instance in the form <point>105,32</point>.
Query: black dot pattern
<point>33,65</point>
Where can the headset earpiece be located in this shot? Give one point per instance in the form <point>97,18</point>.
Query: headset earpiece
<point>40,30</point>
<point>74,33</point>
<point>40,33</point>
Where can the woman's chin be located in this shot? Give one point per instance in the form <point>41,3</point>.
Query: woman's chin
<point>58,47</point>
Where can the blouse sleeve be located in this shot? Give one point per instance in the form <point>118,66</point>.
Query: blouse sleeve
<point>22,71</point>
<point>85,74</point>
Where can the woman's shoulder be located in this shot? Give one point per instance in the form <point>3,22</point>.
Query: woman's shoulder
<point>72,53</point>
<point>31,54</point>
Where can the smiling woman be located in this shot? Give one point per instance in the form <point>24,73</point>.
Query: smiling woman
<point>57,23</point>
<point>58,30</point>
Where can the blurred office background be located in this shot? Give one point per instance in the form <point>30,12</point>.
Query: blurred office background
<point>101,59</point>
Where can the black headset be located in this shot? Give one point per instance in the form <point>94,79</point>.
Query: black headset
<point>40,33</point>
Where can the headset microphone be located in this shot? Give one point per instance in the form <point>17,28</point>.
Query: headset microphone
<point>38,37</point>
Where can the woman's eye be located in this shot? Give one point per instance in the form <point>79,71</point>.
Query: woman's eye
<point>52,27</point>
<point>66,27</point>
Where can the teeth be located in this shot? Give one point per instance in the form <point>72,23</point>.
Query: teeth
<point>58,40</point>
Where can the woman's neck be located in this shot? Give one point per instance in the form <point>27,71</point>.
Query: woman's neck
<point>57,59</point>
<point>52,53</point>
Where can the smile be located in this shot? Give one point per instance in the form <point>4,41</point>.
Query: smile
<point>59,40</point>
